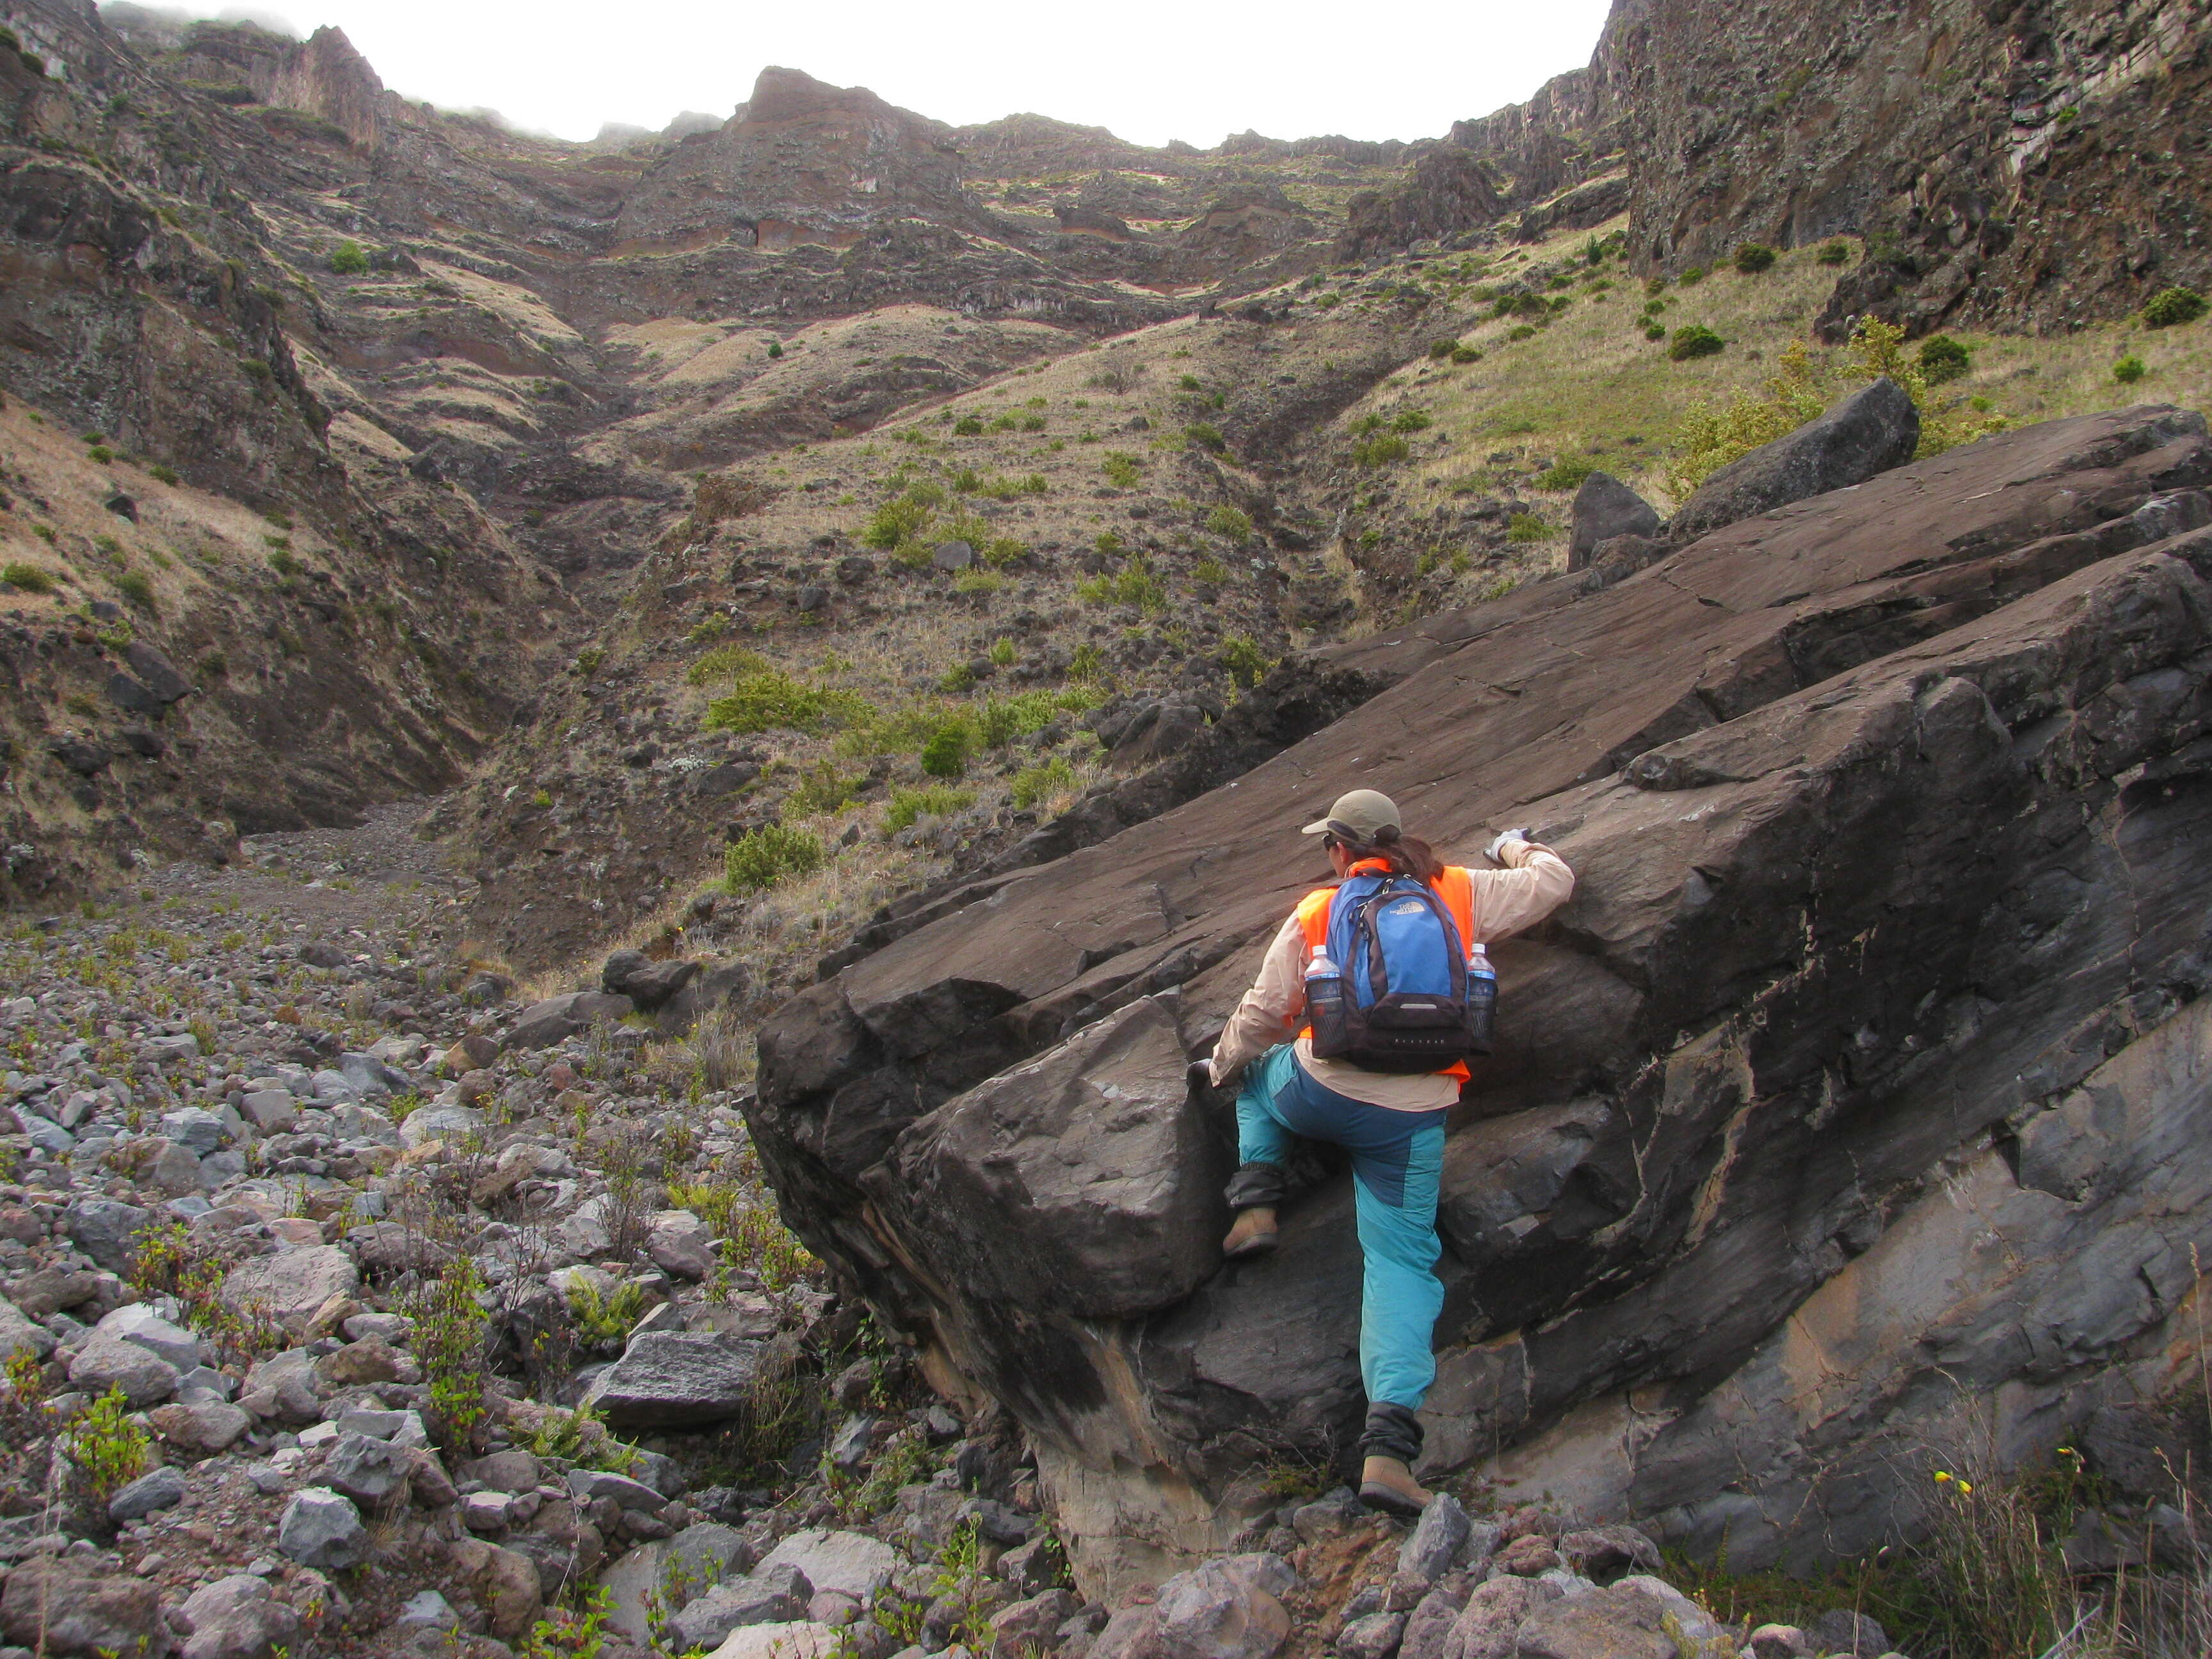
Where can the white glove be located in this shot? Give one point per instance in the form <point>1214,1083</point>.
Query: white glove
<point>1497,848</point>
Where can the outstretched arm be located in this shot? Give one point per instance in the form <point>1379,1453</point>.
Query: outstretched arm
<point>1534,883</point>
<point>1269,1012</point>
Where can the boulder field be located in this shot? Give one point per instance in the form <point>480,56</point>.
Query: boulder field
<point>1852,1106</point>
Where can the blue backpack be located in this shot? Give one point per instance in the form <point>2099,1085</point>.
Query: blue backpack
<point>1399,1000</point>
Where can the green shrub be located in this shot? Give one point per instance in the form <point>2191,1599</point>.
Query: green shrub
<point>724,662</point>
<point>137,586</point>
<point>281,559</point>
<point>1411,420</point>
<point>2127,371</point>
<point>1379,450</point>
<point>1122,468</point>
<point>1035,783</point>
<point>1442,350</point>
<point>822,788</point>
<point>1526,527</point>
<point>900,519</point>
<point>933,800</point>
<point>107,1447</point>
<point>1656,332</point>
<point>1523,332</point>
<point>2170,307</point>
<point>973,581</point>
<point>1692,277</point>
<point>1209,572</point>
<point>1190,383</point>
<point>255,369</point>
<point>762,857</point>
<point>1002,652</point>
<point>1087,665</point>
<point>1246,663</point>
<point>968,426</point>
<point>1206,437</point>
<point>99,454</point>
<point>1835,253</point>
<point>770,699</point>
<point>945,754</point>
<point>160,474</point>
<point>1751,257</point>
<point>1942,358</point>
<point>775,348</point>
<point>349,258</point>
<point>1566,475</point>
<point>1694,341</point>
<point>1466,355</point>
<point>29,577</point>
<point>1229,522</point>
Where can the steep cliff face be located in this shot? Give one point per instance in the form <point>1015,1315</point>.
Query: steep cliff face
<point>2027,164</point>
<point>1880,805</point>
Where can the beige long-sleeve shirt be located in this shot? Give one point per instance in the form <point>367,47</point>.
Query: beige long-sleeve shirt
<point>1535,882</point>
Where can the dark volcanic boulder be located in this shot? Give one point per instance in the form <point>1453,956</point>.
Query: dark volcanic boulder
<point>1871,431</point>
<point>1605,508</point>
<point>1891,937</point>
<point>1094,1155</point>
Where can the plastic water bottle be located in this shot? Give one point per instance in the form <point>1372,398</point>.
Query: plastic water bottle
<point>1481,998</point>
<point>1325,1006</point>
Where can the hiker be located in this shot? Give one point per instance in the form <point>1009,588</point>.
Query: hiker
<point>1396,1069</point>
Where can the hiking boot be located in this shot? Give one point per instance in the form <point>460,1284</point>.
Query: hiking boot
<point>1253,1235</point>
<point>1386,1483</point>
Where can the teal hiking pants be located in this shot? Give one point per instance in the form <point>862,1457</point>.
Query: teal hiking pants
<point>1397,1159</point>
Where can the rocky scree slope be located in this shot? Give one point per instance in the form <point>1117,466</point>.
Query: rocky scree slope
<point>1882,804</point>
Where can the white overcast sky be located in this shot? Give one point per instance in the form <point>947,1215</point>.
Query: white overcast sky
<point>1148,70</point>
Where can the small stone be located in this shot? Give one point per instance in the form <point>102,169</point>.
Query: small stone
<point>238,1616</point>
<point>1374,1637</point>
<point>1526,1556</point>
<point>1778,1642</point>
<point>109,1362</point>
<point>160,1489</point>
<point>81,1606</point>
<point>140,1325</point>
<point>319,1528</point>
<point>1841,1631</point>
<point>368,1471</point>
<point>203,1427</point>
<point>484,1511</point>
<point>1436,1538</point>
<point>428,1610</point>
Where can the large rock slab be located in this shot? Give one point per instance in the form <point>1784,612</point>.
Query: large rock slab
<point>1881,803</point>
<point>1870,431</point>
<point>292,1285</point>
<point>77,1609</point>
<point>674,1379</point>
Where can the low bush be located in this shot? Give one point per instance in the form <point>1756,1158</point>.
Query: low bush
<point>1692,277</point>
<point>1035,783</point>
<point>1122,469</point>
<point>933,800</point>
<point>1526,527</point>
<point>1229,522</point>
<point>29,577</point>
<point>2127,371</point>
<point>2170,306</point>
<point>945,754</point>
<point>1566,475</point>
<point>1247,665</point>
<point>724,662</point>
<point>762,857</point>
<point>821,788</point>
<point>1411,420</point>
<point>1694,341</point>
<point>968,426</point>
<point>1380,449</point>
<point>1835,253</point>
<point>349,258</point>
<point>1466,355</point>
<point>1751,257</point>
<point>137,586</point>
<point>1207,437</point>
<point>771,699</point>
<point>1942,358</point>
<point>160,474</point>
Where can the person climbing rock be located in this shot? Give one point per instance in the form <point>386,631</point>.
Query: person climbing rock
<point>1368,1004</point>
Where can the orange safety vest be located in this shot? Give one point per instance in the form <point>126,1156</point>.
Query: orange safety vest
<point>1456,887</point>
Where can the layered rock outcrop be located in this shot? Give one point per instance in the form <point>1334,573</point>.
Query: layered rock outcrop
<point>1858,1084</point>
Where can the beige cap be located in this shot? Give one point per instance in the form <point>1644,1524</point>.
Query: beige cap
<point>1357,816</point>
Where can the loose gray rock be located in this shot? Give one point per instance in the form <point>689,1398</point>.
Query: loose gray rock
<point>272,1111</point>
<point>1225,1608</point>
<point>851,1563</point>
<point>238,1616</point>
<point>1605,507</point>
<point>544,1024</point>
<point>79,1606</point>
<point>588,1484</point>
<point>1437,1537</point>
<point>1840,1631</point>
<point>319,1528</point>
<point>369,1471</point>
<point>140,1325</point>
<point>292,1285</point>
<point>1374,1637</point>
<point>766,1596</point>
<point>952,556</point>
<point>109,1362</point>
<point>1871,431</point>
<point>160,1489</point>
<point>105,1229</point>
<point>673,1379</point>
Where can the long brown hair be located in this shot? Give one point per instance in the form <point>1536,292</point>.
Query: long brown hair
<point>1407,855</point>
